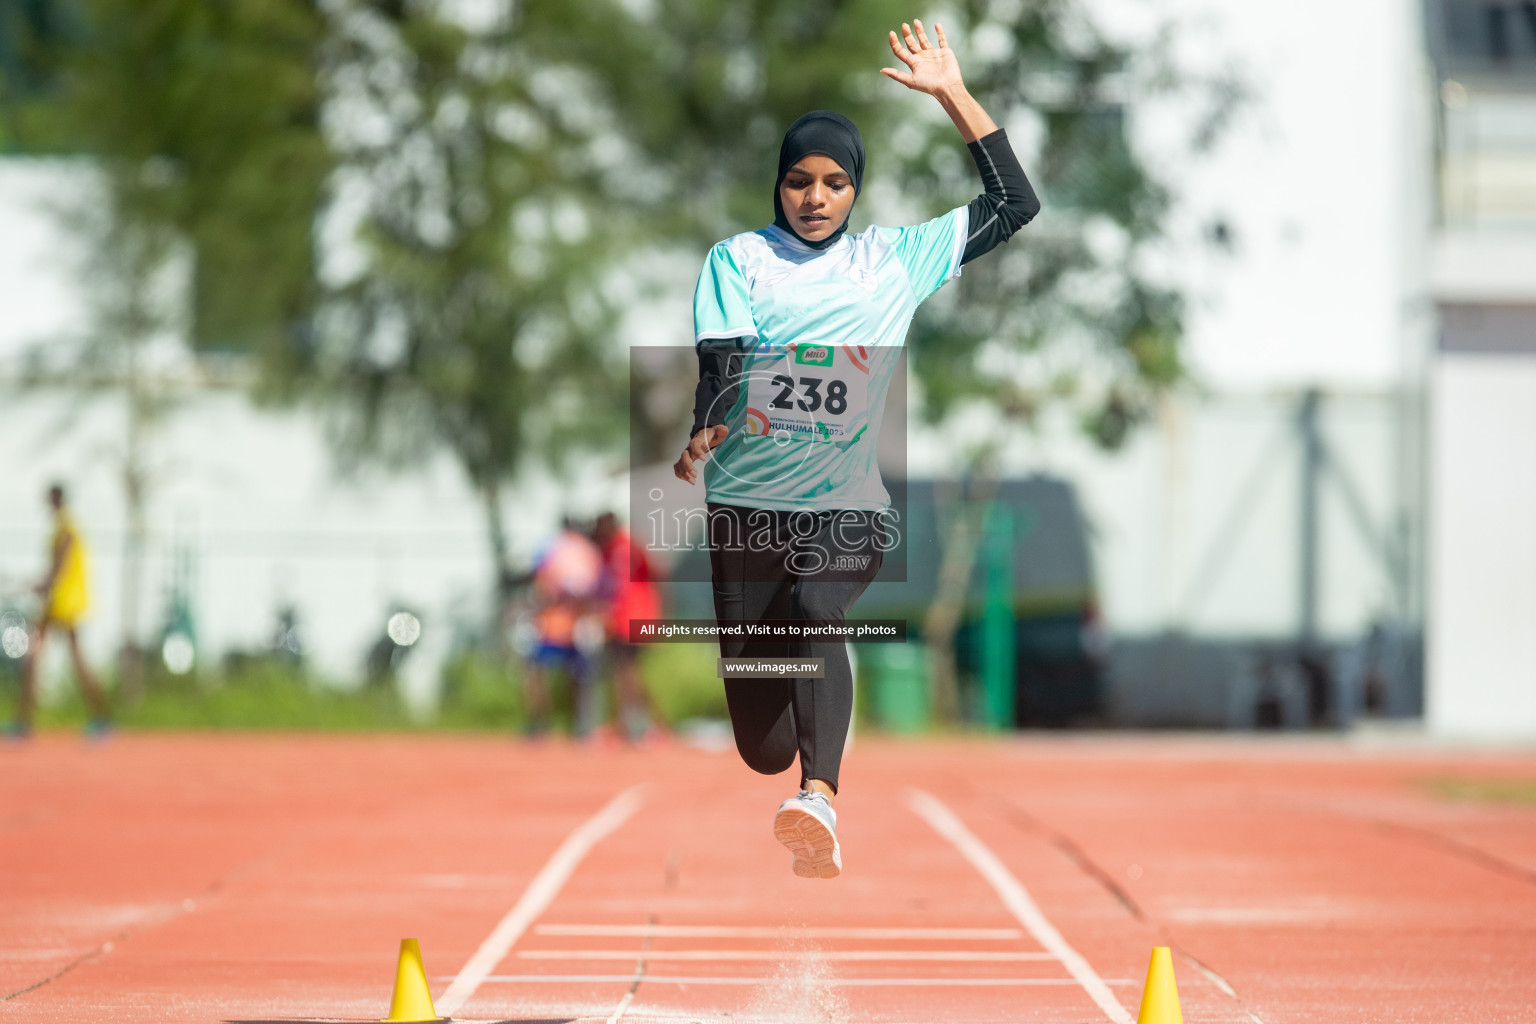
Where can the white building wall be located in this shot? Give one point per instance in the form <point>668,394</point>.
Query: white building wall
<point>1481,628</point>
<point>1195,525</point>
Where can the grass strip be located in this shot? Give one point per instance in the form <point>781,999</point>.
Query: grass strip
<point>1498,791</point>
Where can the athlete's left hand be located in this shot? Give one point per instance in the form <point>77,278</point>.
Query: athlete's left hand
<point>698,449</point>
<point>931,69</point>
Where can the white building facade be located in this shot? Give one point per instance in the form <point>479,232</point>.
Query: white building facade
<point>1481,374</point>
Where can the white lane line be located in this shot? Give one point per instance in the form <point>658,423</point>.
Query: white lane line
<point>775,955</point>
<point>537,897</point>
<point>708,931</point>
<point>1222,984</point>
<point>1017,899</point>
<point>629,997</point>
<point>663,979</point>
<point>640,968</point>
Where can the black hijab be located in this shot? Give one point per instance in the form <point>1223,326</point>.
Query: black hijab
<point>832,135</point>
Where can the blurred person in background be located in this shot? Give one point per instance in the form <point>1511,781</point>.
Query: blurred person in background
<point>568,636</point>
<point>66,596</point>
<point>795,326</point>
<point>628,592</point>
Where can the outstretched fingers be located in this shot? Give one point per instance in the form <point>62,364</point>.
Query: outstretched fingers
<point>917,52</point>
<point>922,37</point>
<point>904,77</point>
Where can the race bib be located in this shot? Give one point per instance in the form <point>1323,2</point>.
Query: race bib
<point>809,391</point>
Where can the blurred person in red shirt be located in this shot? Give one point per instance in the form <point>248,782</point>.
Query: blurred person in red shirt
<point>629,592</point>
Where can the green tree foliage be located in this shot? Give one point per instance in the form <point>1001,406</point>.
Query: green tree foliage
<point>31,34</point>
<point>475,314</point>
<point>203,119</point>
<point>703,92</point>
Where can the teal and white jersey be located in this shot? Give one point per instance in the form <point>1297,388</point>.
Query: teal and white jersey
<point>829,327</point>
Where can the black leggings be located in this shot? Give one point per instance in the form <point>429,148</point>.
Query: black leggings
<point>769,564</point>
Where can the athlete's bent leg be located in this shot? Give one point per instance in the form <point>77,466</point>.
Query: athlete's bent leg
<point>751,585</point>
<point>763,720</point>
<point>824,707</point>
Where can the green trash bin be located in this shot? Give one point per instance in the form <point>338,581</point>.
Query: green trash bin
<point>898,685</point>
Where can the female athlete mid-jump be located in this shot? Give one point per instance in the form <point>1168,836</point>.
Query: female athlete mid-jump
<point>797,328</point>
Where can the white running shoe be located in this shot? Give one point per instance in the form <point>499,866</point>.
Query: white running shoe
<point>805,824</point>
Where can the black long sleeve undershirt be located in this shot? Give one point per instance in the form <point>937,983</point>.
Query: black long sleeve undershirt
<point>1007,203</point>
<point>719,378</point>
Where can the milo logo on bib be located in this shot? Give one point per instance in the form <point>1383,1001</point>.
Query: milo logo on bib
<point>813,355</point>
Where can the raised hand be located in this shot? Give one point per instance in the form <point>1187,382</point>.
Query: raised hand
<point>930,69</point>
<point>935,71</point>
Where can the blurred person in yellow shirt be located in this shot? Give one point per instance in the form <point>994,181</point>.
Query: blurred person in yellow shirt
<point>66,596</point>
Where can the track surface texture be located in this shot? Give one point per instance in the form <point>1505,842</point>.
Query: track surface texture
<point>248,878</point>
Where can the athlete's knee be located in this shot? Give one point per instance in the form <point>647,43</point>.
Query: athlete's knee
<point>765,761</point>
<point>767,752</point>
<point>823,602</point>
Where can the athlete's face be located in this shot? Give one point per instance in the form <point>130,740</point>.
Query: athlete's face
<point>816,194</point>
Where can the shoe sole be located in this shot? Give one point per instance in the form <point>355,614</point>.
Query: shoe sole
<point>812,843</point>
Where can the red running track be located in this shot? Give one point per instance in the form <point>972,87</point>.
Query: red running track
<point>260,878</point>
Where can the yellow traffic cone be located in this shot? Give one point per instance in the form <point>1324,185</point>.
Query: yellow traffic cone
<point>412,1001</point>
<point>1160,999</point>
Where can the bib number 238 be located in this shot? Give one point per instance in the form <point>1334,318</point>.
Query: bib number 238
<point>809,391</point>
